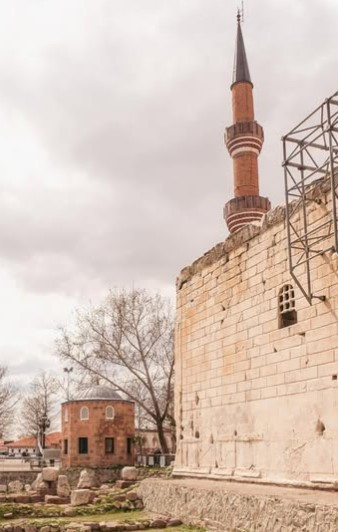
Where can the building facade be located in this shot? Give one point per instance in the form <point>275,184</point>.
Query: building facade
<point>256,382</point>
<point>98,429</point>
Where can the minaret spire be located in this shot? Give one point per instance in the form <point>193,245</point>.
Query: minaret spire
<point>244,141</point>
<point>241,67</point>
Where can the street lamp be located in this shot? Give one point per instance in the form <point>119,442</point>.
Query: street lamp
<point>44,424</point>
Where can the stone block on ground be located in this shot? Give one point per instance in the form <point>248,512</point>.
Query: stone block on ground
<point>69,511</point>
<point>86,479</point>
<point>50,474</point>
<point>22,499</point>
<point>158,523</point>
<point>80,497</point>
<point>173,522</point>
<point>122,484</point>
<point>55,499</point>
<point>129,473</point>
<point>132,496</point>
<point>15,486</point>
<point>35,497</point>
<point>63,486</point>
<point>37,481</point>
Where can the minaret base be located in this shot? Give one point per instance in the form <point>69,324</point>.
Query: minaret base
<point>244,210</point>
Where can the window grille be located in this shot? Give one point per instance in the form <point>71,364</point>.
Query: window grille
<point>287,306</point>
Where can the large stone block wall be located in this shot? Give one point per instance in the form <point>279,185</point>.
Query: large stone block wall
<point>227,507</point>
<point>253,399</point>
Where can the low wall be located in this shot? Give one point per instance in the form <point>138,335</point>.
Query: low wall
<point>226,507</point>
<point>26,477</point>
<point>101,475</point>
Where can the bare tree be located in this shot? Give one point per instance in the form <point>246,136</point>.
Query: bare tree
<point>8,399</point>
<point>127,341</point>
<point>39,401</point>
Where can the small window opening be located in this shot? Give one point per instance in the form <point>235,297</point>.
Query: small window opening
<point>110,413</point>
<point>109,446</point>
<point>287,314</point>
<point>65,446</point>
<point>84,413</point>
<point>129,445</point>
<point>83,445</point>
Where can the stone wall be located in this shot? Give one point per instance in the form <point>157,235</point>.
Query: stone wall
<point>253,399</point>
<point>101,475</point>
<point>227,507</point>
<point>26,477</point>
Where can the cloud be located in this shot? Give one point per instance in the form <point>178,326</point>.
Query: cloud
<point>112,162</point>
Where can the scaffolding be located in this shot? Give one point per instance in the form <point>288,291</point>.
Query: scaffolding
<point>310,152</point>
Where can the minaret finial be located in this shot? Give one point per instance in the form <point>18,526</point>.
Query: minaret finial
<point>240,13</point>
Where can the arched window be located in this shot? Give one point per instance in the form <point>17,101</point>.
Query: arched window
<point>110,412</point>
<point>66,415</point>
<point>287,314</point>
<point>84,413</point>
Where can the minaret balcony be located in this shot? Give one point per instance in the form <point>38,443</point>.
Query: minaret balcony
<point>244,137</point>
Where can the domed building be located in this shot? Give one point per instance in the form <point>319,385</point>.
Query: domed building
<point>98,428</point>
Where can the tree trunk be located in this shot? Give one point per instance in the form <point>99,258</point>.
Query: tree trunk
<point>161,437</point>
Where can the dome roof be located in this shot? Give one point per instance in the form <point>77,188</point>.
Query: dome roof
<point>97,392</point>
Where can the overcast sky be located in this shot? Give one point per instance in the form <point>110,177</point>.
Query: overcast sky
<point>113,169</point>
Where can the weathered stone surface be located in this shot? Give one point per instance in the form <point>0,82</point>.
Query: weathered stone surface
<point>132,496</point>
<point>28,488</point>
<point>35,497</point>
<point>30,528</point>
<point>37,482</point>
<point>174,522</point>
<point>69,511</point>
<point>158,523</point>
<point>63,487</point>
<point>45,529</point>
<point>224,506</point>
<point>86,479</point>
<point>22,499</point>
<point>55,499</point>
<point>129,473</point>
<point>81,496</point>
<point>50,474</point>
<point>3,488</point>
<point>15,486</point>
<point>122,484</point>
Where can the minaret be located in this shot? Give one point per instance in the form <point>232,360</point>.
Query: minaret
<point>244,140</point>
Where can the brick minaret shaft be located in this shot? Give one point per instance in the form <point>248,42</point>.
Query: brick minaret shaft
<point>244,141</point>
